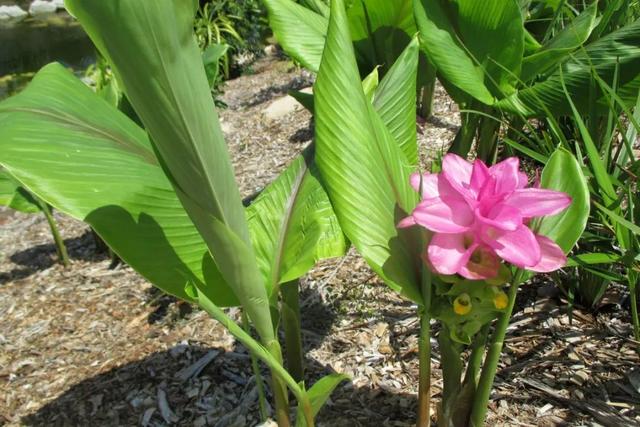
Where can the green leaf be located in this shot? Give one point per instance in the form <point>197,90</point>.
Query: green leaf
<point>395,101</point>
<point>616,54</point>
<point>157,60</point>
<point>211,60</point>
<point>299,30</point>
<point>364,171</point>
<point>85,158</point>
<point>593,258</point>
<point>566,41</point>
<point>476,46</point>
<point>293,225</point>
<point>634,228</point>
<point>13,196</point>
<point>319,393</point>
<point>370,84</point>
<point>380,31</point>
<point>563,173</point>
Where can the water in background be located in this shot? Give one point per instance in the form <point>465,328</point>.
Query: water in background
<point>28,45</point>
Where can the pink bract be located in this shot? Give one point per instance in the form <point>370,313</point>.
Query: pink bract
<point>479,215</point>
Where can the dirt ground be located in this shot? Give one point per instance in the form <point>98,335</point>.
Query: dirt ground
<point>94,345</point>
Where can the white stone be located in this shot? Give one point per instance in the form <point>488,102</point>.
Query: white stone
<point>12,14</point>
<point>59,4</point>
<point>41,7</point>
<point>283,106</point>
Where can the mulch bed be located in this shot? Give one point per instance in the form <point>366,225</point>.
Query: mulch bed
<point>93,345</point>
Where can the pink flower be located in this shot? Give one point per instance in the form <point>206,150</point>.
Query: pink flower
<point>479,215</point>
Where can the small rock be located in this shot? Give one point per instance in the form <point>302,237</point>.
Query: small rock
<point>271,50</point>
<point>12,14</point>
<point>41,8</point>
<point>281,107</point>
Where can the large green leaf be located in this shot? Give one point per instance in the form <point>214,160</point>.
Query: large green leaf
<point>476,46</point>
<point>563,173</point>
<point>365,172</point>
<point>380,30</point>
<point>292,224</point>
<point>85,158</point>
<point>566,41</point>
<point>157,60</point>
<point>299,30</point>
<point>614,55</point>
<point>14,196</point>
<point>395,101</point>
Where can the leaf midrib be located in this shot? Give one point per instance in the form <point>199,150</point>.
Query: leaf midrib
<point>63,118</point>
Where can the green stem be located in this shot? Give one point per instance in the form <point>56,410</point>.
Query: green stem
<point>428,81</point>
<point>290,312</point>
<point>464,138</point>
<point>61,249</point>
<point>479,411</point>
<point>488,139</point>
<point>279,388</point>
<point>451,363</point>
<point>270,356</point>
<point>262,397</point>
<point>424,346</point>
<point>633,294</point>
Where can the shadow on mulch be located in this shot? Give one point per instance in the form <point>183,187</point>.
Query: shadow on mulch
<point>269,93</point>
<point>41,257</point>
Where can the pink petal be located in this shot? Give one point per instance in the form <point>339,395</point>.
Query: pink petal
<point>483,264</point>
<point>518,247</point>
<point>407,222</point>
<point>458,172</point>
<point>444,214</point>
<point>500,216</point>
<point>479,176</point>
<point>523,180</point>
<point>553,257</point>
<point>506,174</point>
<point>429,184</point>
<point>448,253</point>
<point>534,202</point>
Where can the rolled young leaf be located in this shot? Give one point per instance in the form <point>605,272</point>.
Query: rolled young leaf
<point>363,169</point>
<point>157,61</point>
<point>87,159</point>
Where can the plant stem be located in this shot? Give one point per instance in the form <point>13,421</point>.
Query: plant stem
<point>464,138</point>
<point>451,363</point>
<point>633,294</point>
<point>479,411</point>
<point>262,397</point>
<point>290,313</point>
<point>279,389</point>
<point>60,247</point>
<point>424,346</point>
<point>271,356</point>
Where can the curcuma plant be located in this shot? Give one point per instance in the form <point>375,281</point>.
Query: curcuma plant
<point>480,228</point>
<point>164,198</point>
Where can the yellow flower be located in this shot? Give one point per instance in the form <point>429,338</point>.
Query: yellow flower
<point>462,304</point>
<point>501,300</point>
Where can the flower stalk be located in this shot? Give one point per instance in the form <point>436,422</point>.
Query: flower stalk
<point>424,353</point>
<point>479,410</point>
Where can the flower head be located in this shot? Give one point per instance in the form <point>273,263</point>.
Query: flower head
<point>479,215</point>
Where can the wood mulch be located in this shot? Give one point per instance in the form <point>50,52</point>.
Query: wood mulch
<point>98,346</point>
